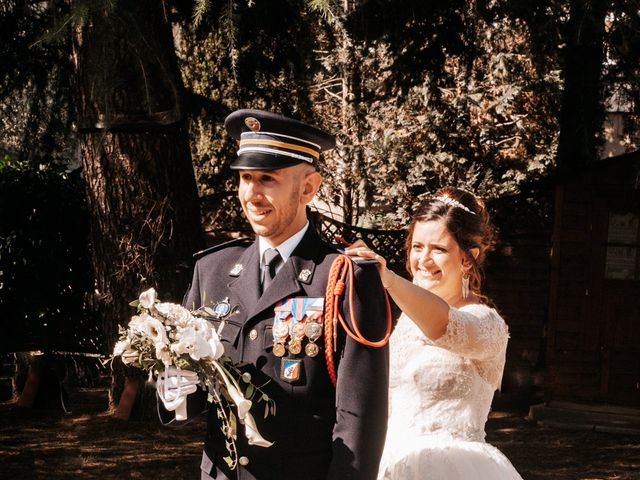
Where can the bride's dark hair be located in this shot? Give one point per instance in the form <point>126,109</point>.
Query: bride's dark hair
<point>467,219</point>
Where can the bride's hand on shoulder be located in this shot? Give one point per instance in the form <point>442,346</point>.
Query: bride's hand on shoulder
<point>362,250</point>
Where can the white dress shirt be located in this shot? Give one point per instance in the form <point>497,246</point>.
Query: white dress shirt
<point>285,249</point>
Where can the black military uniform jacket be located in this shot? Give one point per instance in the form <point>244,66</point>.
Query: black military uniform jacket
<point>319,432</point>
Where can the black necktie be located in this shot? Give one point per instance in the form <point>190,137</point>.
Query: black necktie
<point>271,260</point>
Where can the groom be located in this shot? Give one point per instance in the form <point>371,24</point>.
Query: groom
<point>319,431</point>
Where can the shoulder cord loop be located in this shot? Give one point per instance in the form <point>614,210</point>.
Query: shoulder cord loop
<point>342,266</point>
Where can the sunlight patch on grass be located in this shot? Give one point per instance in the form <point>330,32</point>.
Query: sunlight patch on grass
<point>494,414</point>
<point>9,453</point>
<point>80,419</point>
<point>507,430</point>
<point>630,446</point>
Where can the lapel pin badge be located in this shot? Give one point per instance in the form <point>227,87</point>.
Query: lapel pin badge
<point>304,275</point>
<point>236,270</point>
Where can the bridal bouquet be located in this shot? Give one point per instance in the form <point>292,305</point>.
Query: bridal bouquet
<point>182,349</point>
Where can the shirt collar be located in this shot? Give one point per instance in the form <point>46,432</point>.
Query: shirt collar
<point>287,247</point>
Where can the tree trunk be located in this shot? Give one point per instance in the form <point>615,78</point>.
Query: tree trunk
<point>582,114</point>
<point>141,189</point>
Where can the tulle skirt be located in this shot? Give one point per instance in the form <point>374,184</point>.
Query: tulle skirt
<point>442,458</point>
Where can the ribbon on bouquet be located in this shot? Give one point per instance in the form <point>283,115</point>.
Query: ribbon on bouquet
<point>174,386</point>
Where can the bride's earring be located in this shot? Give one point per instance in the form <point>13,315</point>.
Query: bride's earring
<point>465,285</point>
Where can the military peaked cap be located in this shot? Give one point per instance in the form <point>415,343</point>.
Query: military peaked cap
<point>269,141</point>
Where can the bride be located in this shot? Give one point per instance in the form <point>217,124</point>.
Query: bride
<point>447,350</point>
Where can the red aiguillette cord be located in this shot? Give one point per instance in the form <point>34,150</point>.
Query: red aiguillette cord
<point>341,267</point>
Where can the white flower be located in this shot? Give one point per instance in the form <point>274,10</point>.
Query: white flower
<point>182,344</point>
<point>174,313</point>
<point>136,324</point>
<point>201,326</point>
<point>163,354</point>
<point>242,403</point>
<point>252,433</point>
<point>147,298</point>
<point>155,331</point>
<point>128,354</point>
<point>189,341</point>
<point>126,351</point>
<point>209,334</point>
<point>150,327</point>
<point>121,346</point>
<point>217,349</point>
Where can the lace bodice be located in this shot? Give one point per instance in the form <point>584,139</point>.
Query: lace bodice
<point>445,387</point>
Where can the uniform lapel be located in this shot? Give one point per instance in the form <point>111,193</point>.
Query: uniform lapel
<point>246,287</point>
<point>298,269</point>
<point>283,285</point>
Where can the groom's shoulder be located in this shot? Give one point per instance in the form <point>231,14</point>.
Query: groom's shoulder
<point>226,248</point>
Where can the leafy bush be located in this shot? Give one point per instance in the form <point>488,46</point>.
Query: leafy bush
<point>44,263</point>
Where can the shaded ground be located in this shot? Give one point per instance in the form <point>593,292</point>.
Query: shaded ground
<point>87,444</point>
<point>540,452</point>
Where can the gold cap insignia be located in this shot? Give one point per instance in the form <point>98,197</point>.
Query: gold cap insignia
<point>252,123</point>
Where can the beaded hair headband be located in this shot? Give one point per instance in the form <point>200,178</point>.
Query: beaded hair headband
<point>454,203</point>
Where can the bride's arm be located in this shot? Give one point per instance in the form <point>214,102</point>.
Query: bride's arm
<point>426,309</point>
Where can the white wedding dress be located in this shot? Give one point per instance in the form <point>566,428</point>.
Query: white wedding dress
<point>440,394</point>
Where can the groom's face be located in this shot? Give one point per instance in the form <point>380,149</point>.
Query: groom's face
<point>274,200</point>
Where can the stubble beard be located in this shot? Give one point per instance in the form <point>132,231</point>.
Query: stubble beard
<point>283,222</point>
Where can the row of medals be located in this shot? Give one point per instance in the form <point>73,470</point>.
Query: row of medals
<point>312,329</point>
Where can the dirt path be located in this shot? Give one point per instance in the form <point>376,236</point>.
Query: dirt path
<point>90,445</point>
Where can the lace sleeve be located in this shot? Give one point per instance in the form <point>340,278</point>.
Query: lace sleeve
<point>477,332</point>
